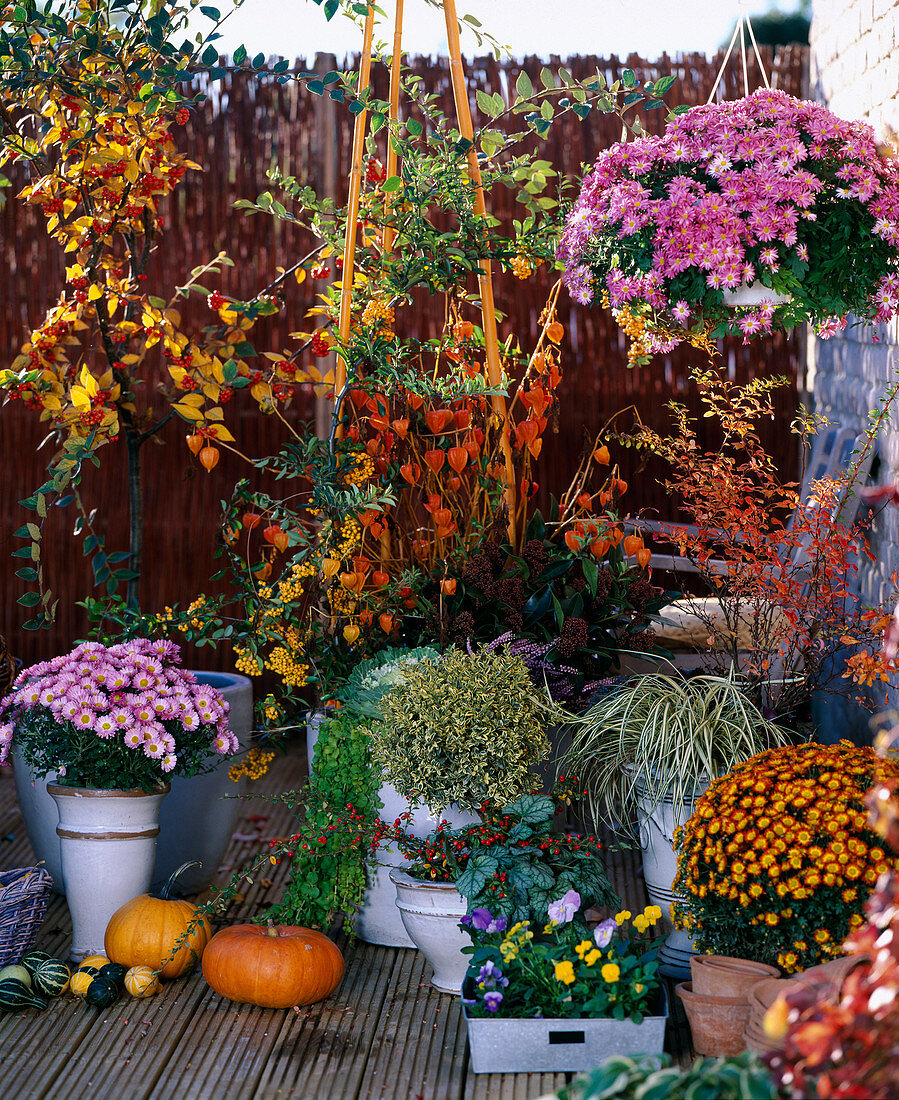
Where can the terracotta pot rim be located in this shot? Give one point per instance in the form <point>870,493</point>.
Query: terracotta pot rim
<point>684,990</point>
<point>735,965</point>
<point>111,792</point>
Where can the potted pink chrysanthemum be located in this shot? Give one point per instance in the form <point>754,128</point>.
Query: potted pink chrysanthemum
<point>742,218</point>
<point>113,723</point>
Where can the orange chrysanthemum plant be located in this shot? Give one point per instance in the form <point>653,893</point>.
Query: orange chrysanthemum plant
<point>844,1046</point>
<point>779,857</point>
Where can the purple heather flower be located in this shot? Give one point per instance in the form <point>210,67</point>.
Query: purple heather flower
<point>492,1000</point>
<point>603,933</point>
<point>563,910</point>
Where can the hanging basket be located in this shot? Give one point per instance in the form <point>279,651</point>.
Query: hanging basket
<point>23,900</point>
<point>768,185</point>
<point>754,294</point>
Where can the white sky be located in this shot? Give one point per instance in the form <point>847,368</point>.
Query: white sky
<point>297,28</point>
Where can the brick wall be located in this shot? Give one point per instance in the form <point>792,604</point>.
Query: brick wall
<point>854,71</point>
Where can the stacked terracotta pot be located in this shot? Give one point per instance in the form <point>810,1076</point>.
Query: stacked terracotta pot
<point>727,999</point>
<point>717,1001</point>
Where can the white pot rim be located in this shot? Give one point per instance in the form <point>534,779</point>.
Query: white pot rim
<point>401,876</point>
<point>106,792</point>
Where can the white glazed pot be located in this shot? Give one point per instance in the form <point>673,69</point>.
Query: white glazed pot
<point>431,912</point>
<point>657,825</point>
<point>378,920</point>
<point>753,294</point>
<point>108,845</point>
<point>196,820</point>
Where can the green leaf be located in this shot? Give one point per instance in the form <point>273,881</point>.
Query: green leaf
<point>486,103</point>
<point>628,78</point>
<point>209,56</point>
<point>240,55</point>
<point>547,78</point>
<point>27,572</point>
<point>414,127</point>
<point>258,61</point>
<point>394,183</point>
<point>29,599</point>
<point>523,85</point>
<point>212,13</point>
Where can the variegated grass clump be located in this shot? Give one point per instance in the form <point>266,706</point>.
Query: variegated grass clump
<point>660,738</point>
<point>467,728</point>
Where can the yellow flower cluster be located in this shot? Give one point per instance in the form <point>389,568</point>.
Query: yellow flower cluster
<point>517,936</point>
<point>781,848</point>
<point>361,469</point>
<point>254,765</point>
<point>291,588</point>
<point>522,267</point>
<point>247,663</point>
<point>378,310</point>
<point>291,671</point>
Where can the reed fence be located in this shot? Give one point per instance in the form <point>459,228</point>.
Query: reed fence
<point>247,126</point>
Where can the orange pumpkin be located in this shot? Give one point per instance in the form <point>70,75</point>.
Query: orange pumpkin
<point>275,967</point>
<point>144,931</point>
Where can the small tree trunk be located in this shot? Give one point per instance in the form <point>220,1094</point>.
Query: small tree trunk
<point>135,517</point>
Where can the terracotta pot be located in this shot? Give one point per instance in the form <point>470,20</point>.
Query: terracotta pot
<point>761,997</point>
<point>717,1024</point>
<point>723,976</point>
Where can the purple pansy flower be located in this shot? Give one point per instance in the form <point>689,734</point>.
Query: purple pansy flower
<point>603,933</point>
<point>563,910</point>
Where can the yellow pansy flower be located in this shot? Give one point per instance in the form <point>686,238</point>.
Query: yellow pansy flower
<point>624,915</point>
<point>610,972</point>
<point>593,956</point>
<point>565,971</point>
<point>583,947</point>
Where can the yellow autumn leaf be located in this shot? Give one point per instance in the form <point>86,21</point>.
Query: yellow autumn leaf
<point>188,412</point>
<point>130,359</point>
<point>217,372</point>
<point>194,399</point>
<point>211,391</point>
<point>272,356</point>
<point>80,398</point>
<point>132,171</point>
<point>261,391</point>
<point>215,413</point>
<point>88,381</point>
<point>94,293</point>
<point>300,274</point>
<point>223,435</point>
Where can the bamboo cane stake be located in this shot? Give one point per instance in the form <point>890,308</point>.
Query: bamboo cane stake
<point>352,217</point>
<point>395,66</point>
<point>389,235</point>
<point>485,279</point>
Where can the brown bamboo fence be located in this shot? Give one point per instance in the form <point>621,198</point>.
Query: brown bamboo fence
<point>246,127</point>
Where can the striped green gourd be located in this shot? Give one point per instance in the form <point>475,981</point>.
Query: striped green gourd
<point>50,977</point>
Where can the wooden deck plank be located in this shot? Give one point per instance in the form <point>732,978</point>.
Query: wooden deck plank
<point>333,1043</point>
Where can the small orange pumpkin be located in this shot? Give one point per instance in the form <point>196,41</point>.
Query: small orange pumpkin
<point>144,931</point>
<point>275,967</point>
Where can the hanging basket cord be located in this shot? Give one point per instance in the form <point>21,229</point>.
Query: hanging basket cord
<point>743,25</point>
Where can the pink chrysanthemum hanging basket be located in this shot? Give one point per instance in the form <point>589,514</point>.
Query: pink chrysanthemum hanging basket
<point>767,192</point>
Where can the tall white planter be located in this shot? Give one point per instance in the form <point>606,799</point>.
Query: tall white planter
<point>107,845</point>
<point>378,920</point>
<point>196,820</point>
<point>657,825</point>
<point>431,912</point>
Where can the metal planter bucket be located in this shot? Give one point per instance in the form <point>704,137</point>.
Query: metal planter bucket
<point>559,1046</point>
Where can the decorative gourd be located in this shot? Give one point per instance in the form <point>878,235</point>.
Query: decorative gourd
<point>102,992</point>
<point>96,961</point>
<point>34,959</point>
<point>80,981</point>
<point>115,972</point>
<point>50,978</point>
<point>141,981</point>
<point>275,967</point>
<point>143,932</point>
<point>17,971</point>
<point>15,995</point>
